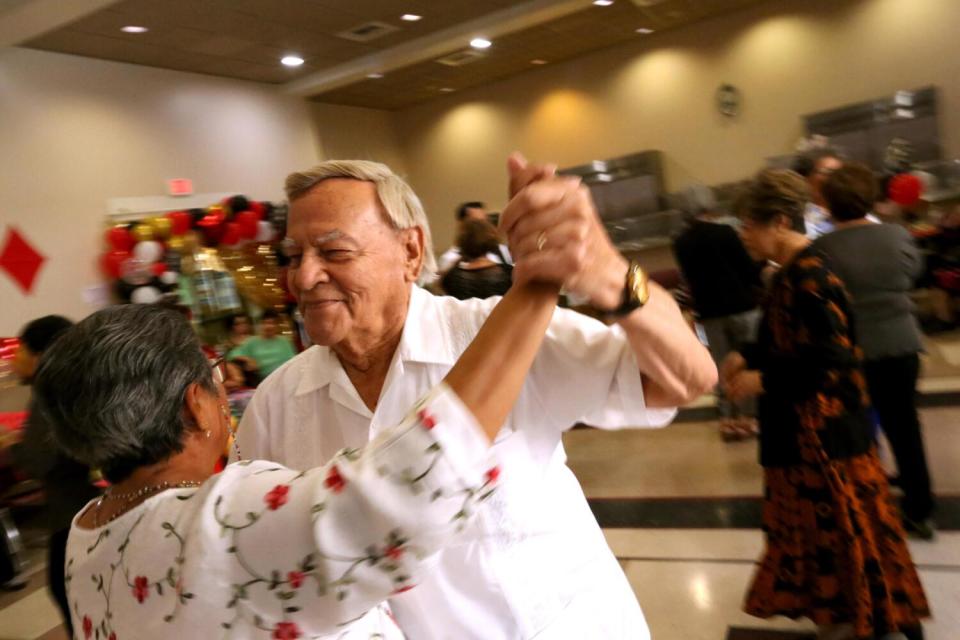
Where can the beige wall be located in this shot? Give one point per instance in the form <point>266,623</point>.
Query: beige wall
<point>787,57</point>
<point>75,132</point>
<point>358,134</point>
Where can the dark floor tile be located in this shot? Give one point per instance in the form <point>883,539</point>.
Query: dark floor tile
<point>714,513</point>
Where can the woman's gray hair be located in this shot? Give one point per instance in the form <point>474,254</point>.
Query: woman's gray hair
<point>400,203</point>
<point>113,387</point>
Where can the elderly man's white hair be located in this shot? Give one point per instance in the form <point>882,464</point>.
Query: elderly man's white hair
<point>400,203</point>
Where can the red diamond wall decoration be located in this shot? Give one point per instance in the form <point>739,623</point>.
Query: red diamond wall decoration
<point>20,260</point>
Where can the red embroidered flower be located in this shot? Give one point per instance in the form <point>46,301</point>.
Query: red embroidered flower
<point>335,481</point>
<point>492,474</point>
<point>277,497</point>
<point>402,589</point>
<point>295,578</point>
<point>394,552</point>
<point>141,588</point>
<point>286,631</point>
<point>427,419</point>
<point>87,627</point>
<point>113,636</point>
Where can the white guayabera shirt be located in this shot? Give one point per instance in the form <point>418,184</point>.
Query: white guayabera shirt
<point>534,562</point>
<point>260,551</point>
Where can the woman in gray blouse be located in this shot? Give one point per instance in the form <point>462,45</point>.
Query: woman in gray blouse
<point>879,264</point>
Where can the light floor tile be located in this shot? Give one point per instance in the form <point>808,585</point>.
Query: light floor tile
<point>747,544</point>
<point>690,459</point>
<point>30,617</point>
<point>699,600</point>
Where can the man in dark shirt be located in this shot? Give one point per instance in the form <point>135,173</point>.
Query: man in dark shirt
<point>66,482</point>
<point>724,283</point>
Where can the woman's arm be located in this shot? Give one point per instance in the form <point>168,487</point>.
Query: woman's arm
<point>490,373</point>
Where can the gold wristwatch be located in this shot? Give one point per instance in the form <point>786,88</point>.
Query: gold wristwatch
<point>636,291</point>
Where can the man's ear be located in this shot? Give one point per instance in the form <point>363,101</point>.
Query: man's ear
<point>412,243</point>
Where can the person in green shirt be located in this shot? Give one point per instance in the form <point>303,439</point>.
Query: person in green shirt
<point>267,351</point>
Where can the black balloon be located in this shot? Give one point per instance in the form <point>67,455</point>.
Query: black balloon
<point>236,204</point>
<point>123,290</point>
<point>197,215</point>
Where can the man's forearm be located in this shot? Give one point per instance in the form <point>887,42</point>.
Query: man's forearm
<point>676,368</point>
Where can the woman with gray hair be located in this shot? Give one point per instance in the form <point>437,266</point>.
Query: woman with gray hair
<point>172,551</point>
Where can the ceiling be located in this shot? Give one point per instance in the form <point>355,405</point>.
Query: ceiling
<point>245,39</point>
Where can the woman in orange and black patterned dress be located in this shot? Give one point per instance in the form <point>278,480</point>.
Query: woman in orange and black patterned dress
<point>835,550</point>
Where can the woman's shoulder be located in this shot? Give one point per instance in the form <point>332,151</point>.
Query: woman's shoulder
<point>814,272</point>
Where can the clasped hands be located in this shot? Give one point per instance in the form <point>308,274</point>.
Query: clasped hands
<point>555,235</point>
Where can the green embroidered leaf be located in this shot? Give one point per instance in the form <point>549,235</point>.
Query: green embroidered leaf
<point>436,495</point>
<point>292,609</point>
<point>168,617</point>
<point>226,625</point>
<point>341,595</point>
<point>232,549</point>
<point>286,595</point>
<point>433,448</point>
<point>159,589</point>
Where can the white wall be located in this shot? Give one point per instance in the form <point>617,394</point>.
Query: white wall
<point>788,58</point>
<point>76,131</point>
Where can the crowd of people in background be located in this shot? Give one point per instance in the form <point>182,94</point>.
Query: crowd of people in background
<point>804,299</point>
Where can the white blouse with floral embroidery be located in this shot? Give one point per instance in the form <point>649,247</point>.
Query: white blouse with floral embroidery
<point>261,551</point>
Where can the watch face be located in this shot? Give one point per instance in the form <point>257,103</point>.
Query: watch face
<point>728,100</point>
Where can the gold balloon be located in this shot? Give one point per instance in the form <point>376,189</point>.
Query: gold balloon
<point>216,208</point>
<point>191,240</point>
<point>256,275</point>
<point>177,243</point>
<point>161,227</point>
<point>143,231</point>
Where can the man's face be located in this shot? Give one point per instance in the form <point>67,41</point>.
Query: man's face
<point>268,328</point>
<point>24,363</point>
<point>350,270</point>
<point>476,213</point>
<point>824,168</point>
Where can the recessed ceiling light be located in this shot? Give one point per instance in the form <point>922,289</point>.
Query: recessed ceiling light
<point>410,17</point>
<point>446,90</point>
<point>480,43</point>
<point>291,61</point>
<point>644,31</point>
<point>374,76</point>
<point>538,61</point>
<point>132,28</point>
<point>603,3</point>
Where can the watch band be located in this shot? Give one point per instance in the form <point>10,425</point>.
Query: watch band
<point>636,291</point>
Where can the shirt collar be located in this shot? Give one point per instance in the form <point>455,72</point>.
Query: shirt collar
<point>424,339</point>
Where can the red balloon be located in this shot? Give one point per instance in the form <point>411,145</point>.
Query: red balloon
<point>247,221</point>
<point>231,234</point>
<point>112,260</point>
<point>212,227</point>
<point>158,268</point>
<point>120,238</point>
<point>180,222</point>
<point>905,189</point>
<point>258,209</point>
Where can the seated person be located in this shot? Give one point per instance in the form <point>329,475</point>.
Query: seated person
<point>474,275</point>
<point>172,551</point>
<point>466,212</point>
<point>266,352</point>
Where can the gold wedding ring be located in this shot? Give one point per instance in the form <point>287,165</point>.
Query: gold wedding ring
<point>541,240</point>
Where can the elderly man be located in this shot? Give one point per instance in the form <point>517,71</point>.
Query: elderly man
<point>536,563</point>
